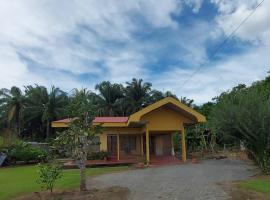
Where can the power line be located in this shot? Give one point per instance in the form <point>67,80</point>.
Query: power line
<point>223,43</point>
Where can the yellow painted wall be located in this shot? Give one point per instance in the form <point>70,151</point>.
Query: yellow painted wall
<point>103,142</point>
<point>59,124</point>
<point>122,130</point>
<point>164,119</point>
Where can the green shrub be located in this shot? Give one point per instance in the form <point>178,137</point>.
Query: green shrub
<point>1,142</point>
<point>24,152</point>
<point>101,155</point>
<point>48,174</point>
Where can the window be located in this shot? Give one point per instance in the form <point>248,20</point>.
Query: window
<point>128,143</point>
<point>95,146</point>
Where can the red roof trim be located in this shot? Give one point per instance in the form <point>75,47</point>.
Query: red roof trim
<point>99,120</point>
<point>110,119</point>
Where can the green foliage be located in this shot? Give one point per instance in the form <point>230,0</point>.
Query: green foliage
<point>48,175</point>
<point>11,104</point>
<point>29,113</point>
<point>1,142</point>
<point>77,138</point>
<point>243,114</point>
<point>101,155</point>
<point>109,98</point>
<point>261,185</point>
<point>21,151</point>
<point>44,105</point>
<point>176,142</point>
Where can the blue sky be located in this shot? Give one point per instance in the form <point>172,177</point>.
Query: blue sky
<point>81,43</point>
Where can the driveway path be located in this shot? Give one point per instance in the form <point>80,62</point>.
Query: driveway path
<point>178,182</point>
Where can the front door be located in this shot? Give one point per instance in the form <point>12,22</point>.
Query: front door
<point>112,145</point>
<point>152,145</point>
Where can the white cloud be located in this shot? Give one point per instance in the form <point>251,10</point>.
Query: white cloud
<point>194,4</point>
<point>43,31</point>
<point>245,67</point>
<point>218,77</point>
<point>66,39</point>
<point>257,28</point>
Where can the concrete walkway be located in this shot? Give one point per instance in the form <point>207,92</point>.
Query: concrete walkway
<point>178,182</point>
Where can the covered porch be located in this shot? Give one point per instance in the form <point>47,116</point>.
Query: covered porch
<point>150,147</point>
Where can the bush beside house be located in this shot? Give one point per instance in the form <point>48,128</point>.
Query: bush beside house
<point>23,152</point>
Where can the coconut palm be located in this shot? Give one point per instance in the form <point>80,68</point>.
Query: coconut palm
<point>81,101</point>
<point>137,94</point>
<point>12,102</point>
<point>108,98</point>
<point>186,101</point>
<point>44,105</point>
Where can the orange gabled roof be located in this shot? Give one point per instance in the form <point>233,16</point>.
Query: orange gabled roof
<point>136,117</point>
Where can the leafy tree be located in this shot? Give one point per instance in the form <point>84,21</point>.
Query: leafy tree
<point>11,105</point>
<point>205,108</point>
<point>77,138</point>
<point>242,114</point>
<point>49,173</point>
<point>44,105</point>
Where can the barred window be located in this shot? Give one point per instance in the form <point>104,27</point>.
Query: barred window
<point>95,146</point>
<point>128,143</point>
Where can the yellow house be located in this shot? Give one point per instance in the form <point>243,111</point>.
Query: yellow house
<point>147,132</point>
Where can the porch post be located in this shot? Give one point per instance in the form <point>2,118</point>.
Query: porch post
<point>118,147</point>
<point>183,142</point>
<point>147,145</point>
<point>173,153</point>
<point>142,144</point>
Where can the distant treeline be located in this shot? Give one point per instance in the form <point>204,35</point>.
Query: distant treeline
<point>29,112</point>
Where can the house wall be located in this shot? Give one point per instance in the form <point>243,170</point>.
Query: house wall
<point>120,131</point>
<point>164,119</point>
<point>103,142</point>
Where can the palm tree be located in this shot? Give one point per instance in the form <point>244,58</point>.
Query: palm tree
<point>137,94</point>
<point>44,105</point>
<point>81,101</point>
<point>157,95</point>
<point>186,101</point>
<point>108,98</point>
<point>12,102</point>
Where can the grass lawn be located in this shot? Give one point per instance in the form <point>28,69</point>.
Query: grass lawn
<point>20,180</point>
<point>260,184</point>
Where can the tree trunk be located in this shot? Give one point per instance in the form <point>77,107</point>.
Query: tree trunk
<point>48,130</point>
<point>82,176</point>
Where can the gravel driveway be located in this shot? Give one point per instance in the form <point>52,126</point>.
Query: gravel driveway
<point>178,182</point>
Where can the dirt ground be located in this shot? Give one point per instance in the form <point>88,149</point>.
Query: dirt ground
<point>111,193</point>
